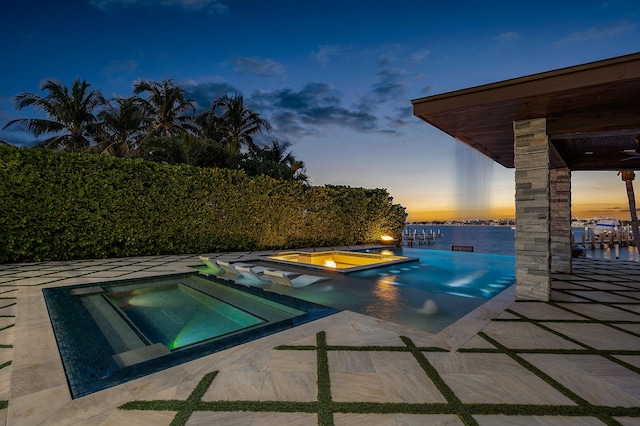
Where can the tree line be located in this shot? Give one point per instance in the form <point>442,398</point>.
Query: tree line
<point>158,124</point>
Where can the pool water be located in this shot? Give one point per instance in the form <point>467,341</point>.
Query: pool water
<point>429,294</point>
<point>176,315</point>
<point>113,332</point>
<point>469,275</point>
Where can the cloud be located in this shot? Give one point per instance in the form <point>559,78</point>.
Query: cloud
<point>257,66</point>
<point>195,5</point>
<point>509,37</point>
<point>419,55</point>
<point>288,121</point>
<point>311,95</point>
<point>390,85</point>
<point>611,30</point>
<point>326,53</point>
<point>205,91</point>
<point>316,104</point>
<point>339,116</point>
<point>402,117</point>
<point>116,70</point>
<point>388,55</point>
<point>426,90</point>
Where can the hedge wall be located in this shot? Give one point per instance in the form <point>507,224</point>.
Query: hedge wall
<point>60,206</point>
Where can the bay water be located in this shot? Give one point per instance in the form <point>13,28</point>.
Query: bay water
<point>501,240</point>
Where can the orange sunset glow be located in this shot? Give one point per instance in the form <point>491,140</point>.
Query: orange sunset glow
<point>594,194</point>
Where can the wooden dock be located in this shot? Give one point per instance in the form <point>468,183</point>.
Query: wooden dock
<point>420,238</point>
<point>590,240</point>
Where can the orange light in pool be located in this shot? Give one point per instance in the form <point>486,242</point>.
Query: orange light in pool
<point>386,290</point>
<point>329,263</point>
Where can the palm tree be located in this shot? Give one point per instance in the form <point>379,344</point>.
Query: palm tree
<point>122,126</point>
<point>70,115</point>
<point>628,176</point>
<point>169,149</point>
<point>211,153</point>
<point>230,120</point>
<point>275,161</point>
<point>211,126</point>
<point>169,113</point>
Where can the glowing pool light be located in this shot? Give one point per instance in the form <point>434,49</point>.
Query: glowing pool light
<point>330,263</point>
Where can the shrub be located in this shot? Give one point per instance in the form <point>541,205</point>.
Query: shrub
<point>60,206</point>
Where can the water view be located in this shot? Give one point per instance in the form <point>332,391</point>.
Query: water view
<point>501,239</point>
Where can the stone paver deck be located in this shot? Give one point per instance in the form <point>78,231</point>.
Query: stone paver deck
<point>574,360</point>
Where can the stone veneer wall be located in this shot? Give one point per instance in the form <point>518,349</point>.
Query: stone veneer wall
<point>560,209</point>
<point>532,246</point>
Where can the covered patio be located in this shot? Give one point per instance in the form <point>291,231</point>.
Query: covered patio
<point>546,125</point>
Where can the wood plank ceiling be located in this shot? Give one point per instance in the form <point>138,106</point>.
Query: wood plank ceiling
<point>592,112</point>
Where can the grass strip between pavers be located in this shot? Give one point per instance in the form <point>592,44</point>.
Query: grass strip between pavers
<point>611,324</point>
<point>191,404</point>
<point>325,416</point>
<point>325,407</point>
<point>571,292</point>
<point>437,380</point>
<point>584,408</point>
<point>607,354</point>
<point>582,403</point>
<point>8,326</point>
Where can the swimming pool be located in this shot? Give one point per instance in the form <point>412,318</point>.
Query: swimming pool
<point>429,294</point>
<point>113,332</point>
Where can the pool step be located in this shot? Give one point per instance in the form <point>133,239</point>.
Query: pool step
<point>135,356</point>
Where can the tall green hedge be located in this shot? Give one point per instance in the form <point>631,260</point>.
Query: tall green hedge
<point>61,206</point>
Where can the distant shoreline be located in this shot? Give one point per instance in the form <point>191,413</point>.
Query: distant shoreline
<point>449,223</point>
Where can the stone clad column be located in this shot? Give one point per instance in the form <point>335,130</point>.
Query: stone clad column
<point>560,216</point>
<point>531,147</point>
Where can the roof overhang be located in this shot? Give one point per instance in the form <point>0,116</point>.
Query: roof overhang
<point>592,112</point>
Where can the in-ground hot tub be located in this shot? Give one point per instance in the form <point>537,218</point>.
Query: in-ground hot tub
<point>111,332</point>
<point>338,260</point>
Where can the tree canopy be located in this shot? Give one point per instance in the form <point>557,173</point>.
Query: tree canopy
<point>157,123</point>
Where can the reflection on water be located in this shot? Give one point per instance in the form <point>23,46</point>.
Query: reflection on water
<point>484,239</point>
<point>609,253</point>
<point>501,240</point>
<point>385,289</point>
<point>387,301</point>
<point>625,253</point>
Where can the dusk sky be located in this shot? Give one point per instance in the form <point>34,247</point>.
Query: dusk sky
<point>334,78</point>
